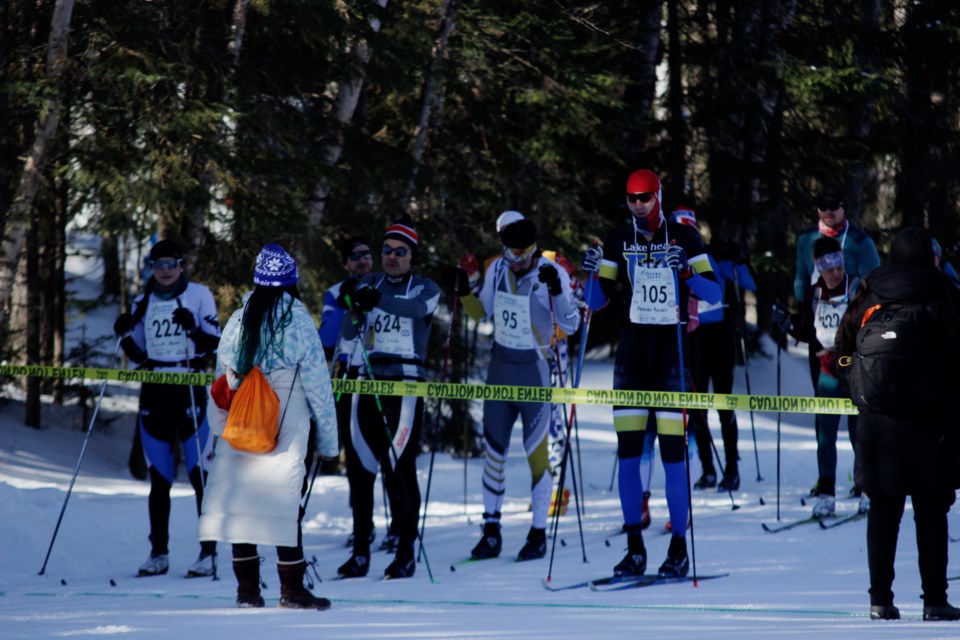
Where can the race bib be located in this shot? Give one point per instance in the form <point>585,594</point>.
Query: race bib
<point>654,298</point>
<point>165,340</point>
<point>391,334</point>
<point>826,320</point>
<point>512,321</point>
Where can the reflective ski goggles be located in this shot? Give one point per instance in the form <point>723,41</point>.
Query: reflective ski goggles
<point>164,264</point>
<point>360,255</point>
<point>516,256</point>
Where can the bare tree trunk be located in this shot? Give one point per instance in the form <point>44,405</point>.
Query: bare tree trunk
<point>13,223</point>
<point>432,97</point>
<point>32,325</point>
<point>344,107</point>
<point>642,90</point>
<point>677,126</point>
<point>861,113</point>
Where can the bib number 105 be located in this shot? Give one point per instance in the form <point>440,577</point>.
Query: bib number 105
<point>653,293</point>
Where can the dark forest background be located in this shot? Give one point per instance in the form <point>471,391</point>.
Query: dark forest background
<point>225,124</point>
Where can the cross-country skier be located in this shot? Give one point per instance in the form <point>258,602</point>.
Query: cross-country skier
<point>817,325</point>
<point>637,270</point>
<point>172,326</point>
<point>394,309</point>
<point>524,293</point>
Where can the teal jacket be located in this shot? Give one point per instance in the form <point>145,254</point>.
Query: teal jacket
<point>860,257</point>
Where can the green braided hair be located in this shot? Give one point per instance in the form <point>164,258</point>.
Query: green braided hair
<point>263,323</point>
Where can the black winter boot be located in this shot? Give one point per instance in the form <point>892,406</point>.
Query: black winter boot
<point>293,595</point>
<point>635,562</point>
<point>247,571</point>
<point>491,543</point>
<point>536,545</point>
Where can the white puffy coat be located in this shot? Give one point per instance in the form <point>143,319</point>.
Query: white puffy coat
<point>255,497</point>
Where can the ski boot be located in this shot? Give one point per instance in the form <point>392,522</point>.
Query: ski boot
<point>677,564</point>
<point>535,547</point>
<point>204,566</point>
<point>730,482</point>
<point>491,543</point>
<point>403,565</point>
<point>645,511</point>
<point>826,506</point>
<point>356,567</point>
<point>706,481</point>
<point>635,562</point>
<point>156,565</point>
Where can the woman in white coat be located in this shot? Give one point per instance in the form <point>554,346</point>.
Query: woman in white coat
<point>255,498</point>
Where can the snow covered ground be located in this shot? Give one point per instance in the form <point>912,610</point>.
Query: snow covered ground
<point>802,583</point>
<point>798,583</point>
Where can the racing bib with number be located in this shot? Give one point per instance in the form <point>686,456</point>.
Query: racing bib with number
<point>654,298</point>
<point>826,320</point>
<point>511,316</point>
<point>165,340</point>
<point>391,334</point>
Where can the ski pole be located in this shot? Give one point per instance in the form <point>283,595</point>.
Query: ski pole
<point>566,445</point>
<point>76,469</point>
<point>386,426</point>
<point>683,413</point>
<point>716,453</point>
<point>436,422</point>
<point>742,329</point>
<point>779,340</point>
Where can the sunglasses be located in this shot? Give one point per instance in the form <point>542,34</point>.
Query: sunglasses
<point>164,264</point>
<point>642,197</point>
<point>387,250</point>
<point>828,205</point>
<point>360,255</point>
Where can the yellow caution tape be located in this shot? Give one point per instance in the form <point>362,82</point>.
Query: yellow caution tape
<point>506,393</point>
<point>620,397</point>
<point>121,375</point>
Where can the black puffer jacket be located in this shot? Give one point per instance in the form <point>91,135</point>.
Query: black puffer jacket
<point>910,457</point>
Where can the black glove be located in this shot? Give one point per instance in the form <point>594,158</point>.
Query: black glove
<point>123,325</point>
<point>365,298</point>
<point>591,259</point>
<point>462,285</point>
<point>781,318</point>
<point>183,317</point>
<point>676,258</point>
<point>548,275</point>
<point>346,289</point>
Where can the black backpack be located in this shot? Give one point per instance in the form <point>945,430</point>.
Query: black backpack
<point>893,371</point>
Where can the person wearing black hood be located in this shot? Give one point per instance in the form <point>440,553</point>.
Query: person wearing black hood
<point>910,450</point>
<point>172,326</point>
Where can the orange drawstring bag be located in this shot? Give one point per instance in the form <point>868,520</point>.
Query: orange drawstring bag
<point>253,423</point>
